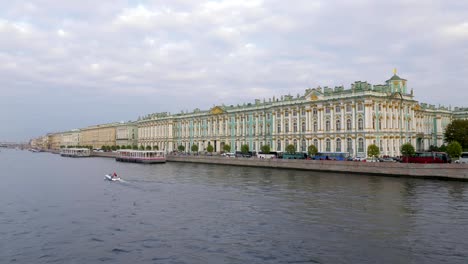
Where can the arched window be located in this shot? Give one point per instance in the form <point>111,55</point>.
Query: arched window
<point>295,144</point>
<point>316,143</point>
<point>303,145</point>
<point>315,127</point>
<point>349,146</point>
<point>338,125</point>
<point>303,127</point>
<point>327,125</point>
<point>348,124</point>
<point>295,126</point>
<point>286,127</point>
<point>314,111</point>
<point>379,124</point>
<point>338,145</point>
<point>253,130</point>
<point>373,123</point>
<point>279,128</point>
<point>360,145</point>
<point>360,124</point>
<point>328,145</point>
<point>268,129</point>
<point>286,142</point>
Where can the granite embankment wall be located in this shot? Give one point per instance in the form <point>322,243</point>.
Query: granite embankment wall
<point>439,171</point>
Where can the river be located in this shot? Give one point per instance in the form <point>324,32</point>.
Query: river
<point>61,210</point>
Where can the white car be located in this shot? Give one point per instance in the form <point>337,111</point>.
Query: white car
<point>463,158</point>
<point>359,159</point>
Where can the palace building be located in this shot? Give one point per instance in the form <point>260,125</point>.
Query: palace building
<point>333,119</point>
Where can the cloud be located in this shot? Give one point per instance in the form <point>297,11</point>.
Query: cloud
<point>189,54</point>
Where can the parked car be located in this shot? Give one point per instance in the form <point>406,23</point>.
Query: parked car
<point>463,158</point>
<point>388,159</point>
<point>358,158</point>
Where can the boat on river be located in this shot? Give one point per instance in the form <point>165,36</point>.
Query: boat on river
<point>141,156</point>
<point>75,152</point>
<point>110,178</point>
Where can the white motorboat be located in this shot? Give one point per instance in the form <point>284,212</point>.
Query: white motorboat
<point>110,178</point>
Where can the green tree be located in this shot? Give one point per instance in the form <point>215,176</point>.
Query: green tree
<point>181,148</point>
<point>148,147</point>
<point>373,151</point>
<point>194,148</point>
<point>457,130</point>
<point>290,149</point>
<point>104,148</point>
<point>407,150</point>
<point>155,147</point>
<point>209,148</point>
<point>443,148</point>
<point>245,149</point>
<point>117,147</point>
<point>142,147</point>
<point>433,148</point>
<point>128,147</point>
<point>312,150</point>
<point>62,146</point>
<point>265,149</point>
<point>114,148</point>
<point>227,148</point>
<point>135,147</point>
<point>454,149</point>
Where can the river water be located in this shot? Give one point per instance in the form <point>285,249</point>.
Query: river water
<point>61,210</point>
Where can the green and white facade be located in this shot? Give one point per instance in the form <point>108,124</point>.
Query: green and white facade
<point>333,119</point>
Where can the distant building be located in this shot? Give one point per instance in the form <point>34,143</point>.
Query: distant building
<point>126,134</point>
<point>332,119</point>
<point>460,113</point>
<point>98,135</point>
<point>71,138</point>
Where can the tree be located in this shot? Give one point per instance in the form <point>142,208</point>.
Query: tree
<point>312,150</point>
<point>407,150</point>
<point>265,149</point>
<point>443,148</point>
<point>433,148</point>
<point>181,148</point>
<point>373,151</point>
<point>245,149</point>
<point>114,148</point>
<point>117,147</point>
<point>135,147</point>
<point>227,148</point>
<point>194,148</point>
<point>290,149</point>
<point>104,148</point>
<point>209,148</point>
<point>454,149</point>
<point>457,130</point>
<point>155,147</point>
<point>142,147</point>
<point>148,147</point>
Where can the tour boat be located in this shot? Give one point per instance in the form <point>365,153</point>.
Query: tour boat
<point>141,156</point>
<point>75,152</point>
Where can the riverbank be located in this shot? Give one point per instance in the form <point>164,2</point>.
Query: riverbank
<point>435,171</point>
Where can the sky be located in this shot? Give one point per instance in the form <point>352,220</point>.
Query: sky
<point>72,64</point>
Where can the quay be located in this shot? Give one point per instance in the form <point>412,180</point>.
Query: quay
<point>434,171</point>
<point>441,171</point>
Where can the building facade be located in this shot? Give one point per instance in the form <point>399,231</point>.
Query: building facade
<point>332,119</point>
<point>71,138</point>
<point>126,134</point>
<point>98,135</point>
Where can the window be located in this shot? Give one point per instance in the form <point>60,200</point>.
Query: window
<point>360,124</point>
<point>295,144</point>
<point>360,145</point>
<point>295,113</point>
<point>314,111</point>
<point>338,145</point>
<point>286,127</point>
<point>337,109</point>
<point>327,109</point>
<point>373,123</point>
<point>348,124</point>
<point>268,130</point>
<point>286,113</point>
<point>286,143</point>
<point>327,125</point>
<point>316,143</point>
<point>253,130</point>
<point>315,126</point>
<point>278,114</point>
<point>279,128</point>
<point>328,145</point>
<point>295,126</point>
<point>303,127</point>
<point>348,108</point>
<point>278,145</point>
<point>338,125</point>
<point>349,145</point>
<point>268,116</point>
<point>360,107</point>
<point>303,145</point>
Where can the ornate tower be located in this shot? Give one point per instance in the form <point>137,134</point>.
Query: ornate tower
<point>397,84</point>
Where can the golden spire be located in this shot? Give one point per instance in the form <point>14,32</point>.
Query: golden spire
<point>394,71</point>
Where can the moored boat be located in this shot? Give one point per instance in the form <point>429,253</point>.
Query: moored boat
<point>75,152</point>
<point>141,156</point>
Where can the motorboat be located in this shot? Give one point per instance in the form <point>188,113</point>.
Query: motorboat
<point>110,178</point>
